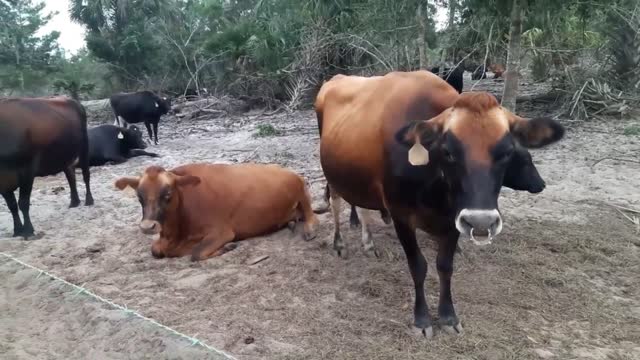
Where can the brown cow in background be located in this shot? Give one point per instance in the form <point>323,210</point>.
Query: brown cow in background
<point>391,142</point>
<point>40,137</point>
<point>198,208</point>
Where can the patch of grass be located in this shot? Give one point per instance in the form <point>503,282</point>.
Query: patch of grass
<point>632,130</point>
<point>267,130</point>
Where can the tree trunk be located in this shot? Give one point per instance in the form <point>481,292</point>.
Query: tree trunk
<point>421,38</point>
<point>512,75</point>
<point>452,16</point>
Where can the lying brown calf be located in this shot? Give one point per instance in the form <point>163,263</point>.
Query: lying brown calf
<point>198,208</point>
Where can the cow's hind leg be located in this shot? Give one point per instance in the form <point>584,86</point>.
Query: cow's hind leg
<point>354,222</point>
<point>12,204</point>
<point>338,241</point>
<point>418,268</point>
<point>213,245</point>
<point>148,126</point>
<point>367,241</point>
<point>25,181</point>
<point>309,218</point>
<point>444,263</point>
<point>70,174</point>
<point>155,132</point>
<point>86,174</point>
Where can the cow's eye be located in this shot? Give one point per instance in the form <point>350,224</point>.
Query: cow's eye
<point>167,197</point>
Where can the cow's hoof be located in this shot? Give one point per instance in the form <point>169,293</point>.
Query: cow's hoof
<point>88,202</point>
<point>74,203</point>
<point>309,235</point>
<point>372,253</point>
<point>451,325</point>
<point>422,333</point>
<point>33,236</point>
<point>341,251</point>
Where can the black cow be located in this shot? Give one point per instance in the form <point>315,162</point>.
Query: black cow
<point>110,143</point>
<point>453,77</point>
<point>141,106</point>
<point>40,137</point>
<point>478,72</point>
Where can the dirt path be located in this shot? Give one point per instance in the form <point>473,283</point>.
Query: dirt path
<point>562,279</point>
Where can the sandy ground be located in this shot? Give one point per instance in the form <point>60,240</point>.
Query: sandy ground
<point>560,282</point>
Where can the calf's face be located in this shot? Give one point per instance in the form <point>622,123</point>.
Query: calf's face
<point>133,138</point>
<point>158,193</point>
<point>473,145</point>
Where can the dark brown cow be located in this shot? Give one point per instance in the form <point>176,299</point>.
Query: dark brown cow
<point>497,70</point>
<point>198,208</point>
<point>390,142</point>
<point>40,137</point>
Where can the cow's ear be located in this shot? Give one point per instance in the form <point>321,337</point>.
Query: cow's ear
<point>187,180</point>
<point>418,136</point>
<point>132,182</point>
<point>535,133</point>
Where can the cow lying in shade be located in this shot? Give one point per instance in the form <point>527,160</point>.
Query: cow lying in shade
<point>198,208</point>
<point>115,144</point>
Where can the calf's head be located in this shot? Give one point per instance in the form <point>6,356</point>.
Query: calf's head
<point>158,193</point>
<point>131,138</point>
<point>473,145</point>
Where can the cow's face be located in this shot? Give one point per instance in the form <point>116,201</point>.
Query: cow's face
<point>472,145</point>
<point>165,103</point>
<point>158,191</point>
<point>521,173</point>
<point>133,138</point>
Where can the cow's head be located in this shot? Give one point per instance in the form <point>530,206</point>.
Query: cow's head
<point>164,103</point>
<point>472,145</point>
<point>131,138</point>
<point>158,193</point>
<point>521,173</point>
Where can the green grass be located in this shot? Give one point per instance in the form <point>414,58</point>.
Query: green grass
<point>267,130</point>
<point>632,130</point>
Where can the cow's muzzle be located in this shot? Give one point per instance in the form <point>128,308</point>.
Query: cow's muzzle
<point>480,225</point>
<point>150,227</point>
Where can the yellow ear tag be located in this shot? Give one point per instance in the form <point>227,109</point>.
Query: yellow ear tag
<point>418,155</point>
<point>120,136</point>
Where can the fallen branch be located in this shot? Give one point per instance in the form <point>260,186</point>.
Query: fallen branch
<point>201,112</point>
<point>613,158</point>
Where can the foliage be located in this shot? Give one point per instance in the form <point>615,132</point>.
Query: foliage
<point>26,58</point>
<point>266,130</point>
<point>277,52</point>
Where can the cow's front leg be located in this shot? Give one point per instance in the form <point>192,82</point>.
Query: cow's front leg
<point>418,268</point>
<point>213,245</point>
<point>444,263</point>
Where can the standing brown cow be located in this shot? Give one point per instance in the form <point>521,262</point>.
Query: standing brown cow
<point>389,142</point>
<point>40,137</point>
<point>198,208</point>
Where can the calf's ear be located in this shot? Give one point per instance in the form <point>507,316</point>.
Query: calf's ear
<point>132,182</point>
<point>187,180</point>
<point>537,132</point>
